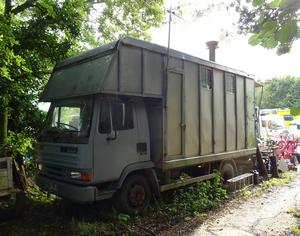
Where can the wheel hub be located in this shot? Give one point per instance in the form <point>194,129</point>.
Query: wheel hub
<point>137,195</point>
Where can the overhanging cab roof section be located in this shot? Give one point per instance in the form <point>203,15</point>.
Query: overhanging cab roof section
<point>127,66</point>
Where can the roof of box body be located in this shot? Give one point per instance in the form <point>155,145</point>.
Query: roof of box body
<point>86,74</point>
<point>96,52</point>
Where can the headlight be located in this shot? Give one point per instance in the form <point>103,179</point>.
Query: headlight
<point>40,166</point>
<point>84,176</point>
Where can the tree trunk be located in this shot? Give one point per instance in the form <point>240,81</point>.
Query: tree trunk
<point>7,8</point>
<point>4,100</point>
<point>3,119</point>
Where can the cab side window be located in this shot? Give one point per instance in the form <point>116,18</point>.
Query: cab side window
<point>115,116</point>
<point>122,115</point>
<point>104,120</point>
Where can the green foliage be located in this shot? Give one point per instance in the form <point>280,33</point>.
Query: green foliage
<point>281,92</point>
<point>34,35</point>
<point>23,145</point>
<point>296,213</point>
<point>196,198</point>
<point>123,217</point>
<point>91,228</point>
<point>296,230</point>
<point>19,143</point>
<point>36,195</point>
<point>274,24</point>
<point>284,179</point>
<point>295,111</point>
<point>246,193</point>
<point>122,18</point>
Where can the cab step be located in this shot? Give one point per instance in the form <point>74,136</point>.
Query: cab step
<point>240,181</point>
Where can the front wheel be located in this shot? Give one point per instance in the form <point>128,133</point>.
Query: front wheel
<point>134,196</point>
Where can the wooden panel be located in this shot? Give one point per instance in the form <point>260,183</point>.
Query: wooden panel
<point>192,109</point>
<point>219,122</point>
<point>240,100</point>
<point>174,110</point>
<point>130,70</point>
<point>6,181</point>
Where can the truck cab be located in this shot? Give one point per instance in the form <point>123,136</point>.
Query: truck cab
<point>88,142</point>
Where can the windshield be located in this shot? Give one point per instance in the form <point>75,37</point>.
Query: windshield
<point>68,120</point>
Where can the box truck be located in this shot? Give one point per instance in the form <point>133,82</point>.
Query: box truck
<point>128,118</point>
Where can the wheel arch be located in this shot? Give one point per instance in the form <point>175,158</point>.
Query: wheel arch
<point>228,169</point>
<point>143,168</point>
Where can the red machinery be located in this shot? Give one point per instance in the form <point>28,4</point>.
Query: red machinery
<point>287,150</point>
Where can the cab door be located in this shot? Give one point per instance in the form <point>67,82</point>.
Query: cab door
<point>115,139</point>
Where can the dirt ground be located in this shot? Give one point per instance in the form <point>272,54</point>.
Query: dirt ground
<point>264,215</point>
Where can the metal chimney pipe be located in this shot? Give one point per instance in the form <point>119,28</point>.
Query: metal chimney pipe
<point>212,46</point>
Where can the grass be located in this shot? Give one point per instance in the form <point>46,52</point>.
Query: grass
<point>296,213</point>
<point>48,215</point>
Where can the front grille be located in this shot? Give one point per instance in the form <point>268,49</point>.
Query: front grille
<point>54,171</point>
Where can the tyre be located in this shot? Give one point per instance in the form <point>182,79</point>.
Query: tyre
<point>228,170</point>
<point>134,196</point>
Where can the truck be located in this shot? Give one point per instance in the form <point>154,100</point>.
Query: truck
<point>128,118</point>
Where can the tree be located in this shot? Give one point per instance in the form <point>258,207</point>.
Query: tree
<point>35,34</point>
<point>274,24</point>
<point>281,92</point>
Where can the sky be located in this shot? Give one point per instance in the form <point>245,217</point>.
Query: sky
<point>189,35</point>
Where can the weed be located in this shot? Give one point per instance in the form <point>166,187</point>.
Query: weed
<point>296,230</point>
<point>123,217</point>
<point>246,193</point>
<point>34,193</point>
<point>296,213</point>
<point>83,228</point>
<point>284,179</point>
<point>200,216</point>
<point>201,196</point>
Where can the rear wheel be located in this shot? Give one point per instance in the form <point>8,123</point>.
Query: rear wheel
<point>134,196</point>
<point>228,170</point>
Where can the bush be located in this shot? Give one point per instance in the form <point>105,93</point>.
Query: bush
<point>21,145</point>
<point>201,196</point>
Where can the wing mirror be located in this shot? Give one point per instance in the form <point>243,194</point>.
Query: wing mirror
<point>117,120</point>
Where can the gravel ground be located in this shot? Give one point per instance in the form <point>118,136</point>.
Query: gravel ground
<point>265,215</point>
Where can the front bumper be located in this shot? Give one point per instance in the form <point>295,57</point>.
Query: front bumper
<point>74,193</point>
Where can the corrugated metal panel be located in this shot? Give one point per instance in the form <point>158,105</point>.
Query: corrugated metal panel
<point>192,109</point>
<point>130,70</point>
<point>174,112</point>
<point>219,123</point>
<point>153,73</point>
<point>240,112</point>
<point>251,142</point>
